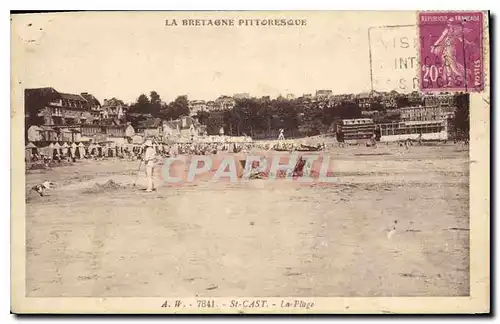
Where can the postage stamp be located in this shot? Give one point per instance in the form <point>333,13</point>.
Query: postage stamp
<point>451,51</point>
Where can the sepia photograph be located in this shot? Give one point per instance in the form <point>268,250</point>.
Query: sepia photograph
<point>250,162</point>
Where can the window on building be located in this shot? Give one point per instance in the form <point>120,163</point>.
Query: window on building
<point>57,120</point>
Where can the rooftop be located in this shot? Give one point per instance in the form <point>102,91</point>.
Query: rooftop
<point>70,96</point>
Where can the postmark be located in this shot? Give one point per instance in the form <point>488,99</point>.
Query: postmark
<point>393,53</point>
<point>451,51</point>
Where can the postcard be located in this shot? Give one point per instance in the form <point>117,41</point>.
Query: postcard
<point>250,162</point>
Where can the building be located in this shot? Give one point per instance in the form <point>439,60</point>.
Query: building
<point>430,130</point>
<point>94,104</point>
<point>95,107</point>
<point>69,117</point>
<point>196,106</point>
<point>335,100</point>
<point>80,133</point>
<point>171,129</point>
<point>151,127</point>
<point>186,128</point>
<point>243,95</point>
<point>427,113</point>
<point>355,130</point>
<point>224,103</point>
<point>210,106</point>
<point>370,113</point>
<point>290,96</point>
<point>415,99</point>
<point>120,134</point>
<point>58,108</point>
<point>113,109</point>
<point>439,100</point>
<point>42,134</point>
<point>389,102</point>
<point>364,100</point>
<point>323,94</point>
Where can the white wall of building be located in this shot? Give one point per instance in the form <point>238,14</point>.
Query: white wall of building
<point>441,136</point>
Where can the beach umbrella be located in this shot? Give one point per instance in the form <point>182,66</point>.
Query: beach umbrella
<point>30,145</point>
<point>51,145</point>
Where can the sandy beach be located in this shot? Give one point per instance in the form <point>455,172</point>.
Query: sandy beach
<point>394,223</point>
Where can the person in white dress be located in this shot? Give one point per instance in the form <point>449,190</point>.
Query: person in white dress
<point>281,136</point>
<point>149,161</point>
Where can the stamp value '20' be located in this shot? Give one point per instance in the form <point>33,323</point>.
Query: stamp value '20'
<point>451,54</point>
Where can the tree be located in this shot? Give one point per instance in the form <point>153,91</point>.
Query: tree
<point>349,110</point>
<point>402,101</point>
<point>141,106</point>
<point>155,98</point>
<point>143,100</point>
<point>377,106</point>
<point>462,114</point>
<point>239,119</point>
<point>35,101</point>
<point>202,117</point>
<point>214,122</point>
<point>179,107</point>
<point>155,105</point>
<point>287,113</point>
<point>311,128</point>
<point>135,120</point>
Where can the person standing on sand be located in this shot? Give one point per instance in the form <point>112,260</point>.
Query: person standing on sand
<point>149,161</point>
<point>281,136</point>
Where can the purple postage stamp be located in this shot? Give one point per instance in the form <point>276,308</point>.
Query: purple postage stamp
<point>451,51</point>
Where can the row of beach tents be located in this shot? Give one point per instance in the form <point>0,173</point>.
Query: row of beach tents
<point>72,150</point>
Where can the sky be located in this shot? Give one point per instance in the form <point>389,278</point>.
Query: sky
<point>124,54</point>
